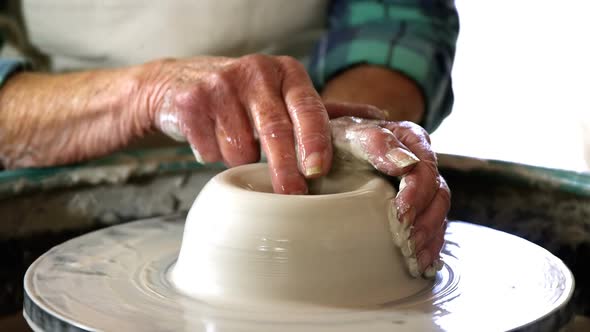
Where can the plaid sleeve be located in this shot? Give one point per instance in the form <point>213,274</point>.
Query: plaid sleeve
<point>9,67</point>
<point>414,37</point>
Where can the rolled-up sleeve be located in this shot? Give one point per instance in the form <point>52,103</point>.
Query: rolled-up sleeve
<point>414,37</point>
<point>9,67</point>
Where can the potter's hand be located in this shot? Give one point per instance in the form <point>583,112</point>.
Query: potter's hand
<point>403,149</point>
<point>217,104</point>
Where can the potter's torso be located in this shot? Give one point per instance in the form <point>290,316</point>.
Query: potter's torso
<point>97,33</point>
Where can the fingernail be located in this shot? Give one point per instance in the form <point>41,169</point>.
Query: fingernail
<point>401,157</point>
<point>313,164</point>
<point>418,240</point>
<point>198,156</point>
<point>283,190</point>
<point>291,183</point>
<point>423,260</point>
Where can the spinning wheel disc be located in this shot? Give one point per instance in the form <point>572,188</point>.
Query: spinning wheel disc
<point>117,279</point>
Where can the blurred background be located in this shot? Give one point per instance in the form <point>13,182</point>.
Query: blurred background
<point>522,83</point>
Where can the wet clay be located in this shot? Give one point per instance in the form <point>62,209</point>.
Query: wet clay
<point>246,246</point>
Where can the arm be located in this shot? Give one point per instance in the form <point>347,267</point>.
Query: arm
<point>8,67</point>
<point>57,119</point>
<point>394,54</point>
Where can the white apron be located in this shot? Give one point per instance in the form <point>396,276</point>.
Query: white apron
<point>81,34</point>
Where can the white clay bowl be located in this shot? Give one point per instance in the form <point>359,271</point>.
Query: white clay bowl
<point>243,245</point>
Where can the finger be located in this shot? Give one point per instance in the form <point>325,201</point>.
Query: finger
<point>429,256</point>
<point>428,224</point>
<point>275,131</point>
<point>366,140</point>
<point>382,150</point>
<point>234,133</point>
<point>418,187</point>
<point>309,117</point>
<point>276,137</point>
<point>414,137</point>
<point>338,109</point>
<point>189,111</point>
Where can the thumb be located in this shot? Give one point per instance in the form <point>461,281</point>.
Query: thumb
<point>365,142</point>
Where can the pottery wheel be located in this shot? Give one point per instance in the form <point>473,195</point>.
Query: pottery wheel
<point>116,279</point>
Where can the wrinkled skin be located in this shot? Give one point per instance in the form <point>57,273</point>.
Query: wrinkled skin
<point>227,109</point>
<point>403,149</point>
<point>220,104</point>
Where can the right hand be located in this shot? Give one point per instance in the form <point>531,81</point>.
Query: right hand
<point>221,105</point>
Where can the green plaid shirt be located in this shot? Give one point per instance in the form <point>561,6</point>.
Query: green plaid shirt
<point>414,37</point>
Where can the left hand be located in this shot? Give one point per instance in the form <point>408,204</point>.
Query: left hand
<point>396,149</point>
<point>403,149</point>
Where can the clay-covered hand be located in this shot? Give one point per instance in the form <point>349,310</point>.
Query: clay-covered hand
<point>220,105</point>
<point>223,105</point>
<point>403,149</point>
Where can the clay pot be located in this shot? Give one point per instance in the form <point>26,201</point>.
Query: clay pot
<point>245,245</point>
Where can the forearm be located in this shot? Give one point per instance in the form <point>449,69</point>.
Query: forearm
<point>380,87</point>
<point>57,119</point>
<point>411,37</point>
